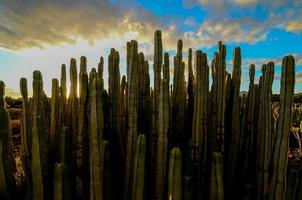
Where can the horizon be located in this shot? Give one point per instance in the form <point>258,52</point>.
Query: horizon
<point>42,36</point>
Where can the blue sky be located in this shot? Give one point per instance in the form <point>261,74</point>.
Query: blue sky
<point>43,35</point>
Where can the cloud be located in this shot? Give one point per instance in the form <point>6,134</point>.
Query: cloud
<point>241,30</point>
<point>34,24</point>
<point>288,17</point>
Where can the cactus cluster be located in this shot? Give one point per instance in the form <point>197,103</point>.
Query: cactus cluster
<point>187,140</point>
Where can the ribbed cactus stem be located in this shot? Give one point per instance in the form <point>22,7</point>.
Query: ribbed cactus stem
<point>280,157</point>
<point>138,187</point>
<point>82,137</point>
<point>174,176</point>
<point>216,185</point>
<point>162,141</point>
<point>178,101</point>
<point>221,91</point>
<point>7,182</point>
<point>54,118</point>
<point>96,140</point>
<point>83,64</point>
<point>264,131</point>
<point>132,103</point>
<point>234,133</point>
<point>39,155</point>
<point>199,127</point>
<point>166,68</point>
<point>60,182</point>
<point>26,126</point>
<point>63,96</point>
<point>158,60</point>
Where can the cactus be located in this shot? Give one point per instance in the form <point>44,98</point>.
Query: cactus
<point>96,140</point>
<point>221,91</point>
<point>162,141</point>
<point>278,184</point>
<point>178,102</point>
<point>63,104</point>
<point>26,140</point>
<point>199,127</point>
<point>61,190</point>
<point>264,131</point>
<point>7,164</point>
<point>234,132</point>
<point>166,68</point>
<point>158,60</point>
<point>174,177</point>
<point>82,137</point>
<point>54,118</point>
<point>138,188</point>
<point>132,101</point>
<point>216,185</point>
<point>39,163</point>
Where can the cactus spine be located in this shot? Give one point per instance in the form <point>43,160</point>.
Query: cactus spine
<point>278,183</point>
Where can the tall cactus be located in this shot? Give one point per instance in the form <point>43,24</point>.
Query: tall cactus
<point>278,183</point>
<point>96,140</point>
<point>178,102</point>
<point>158,60</point>
<point>174,177</point>
<point>7,182</point>
<point>199,127</point>
<point>234,132</point>
<point>54,119</point>
<point>26,140</point>
<point>162,141</point>
<point>132,100</point>
<point>73,107</point>
<point>82,137</point>
<point>221,92</point>
<point>138,188</point>
<point>39,159</point>
<point>264,132</point>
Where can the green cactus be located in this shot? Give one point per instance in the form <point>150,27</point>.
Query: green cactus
<point>174,176</point>
<point>199,127</point>
<point>60,182</point>
<point>138,188</point>
<point>216,184</point>
<point>162,141</point>
<point>96,140</point>
<point>63,97</point>
<point>234,132</point>
<point>264,132</point>
<point>39,161</point>
<point>178,100</point>
<point>54,119</point>
<point>7,164</point>
<point>278,184</point>
<point>132,102</point>
<point>82,139</point>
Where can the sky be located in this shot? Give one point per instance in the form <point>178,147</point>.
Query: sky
<point>43,34</point>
